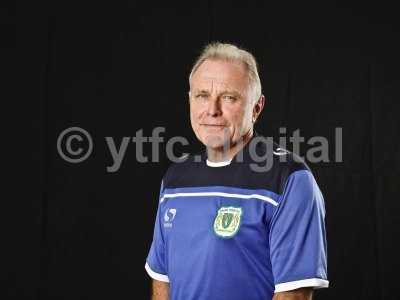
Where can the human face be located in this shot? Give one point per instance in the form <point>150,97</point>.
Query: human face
<point>221,104</point>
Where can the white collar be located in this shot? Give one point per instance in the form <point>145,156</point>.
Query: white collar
<point>218,164</point>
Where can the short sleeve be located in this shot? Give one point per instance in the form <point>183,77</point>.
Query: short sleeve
<point>156,259</point>
<point>297,235</point>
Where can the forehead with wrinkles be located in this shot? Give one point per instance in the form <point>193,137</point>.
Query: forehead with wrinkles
<point>218,75</point>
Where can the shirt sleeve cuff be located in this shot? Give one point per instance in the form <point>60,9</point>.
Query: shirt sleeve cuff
<point>292,285</point>
<point>155,275</point>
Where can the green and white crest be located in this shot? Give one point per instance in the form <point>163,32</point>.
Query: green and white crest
<point>227,221</point>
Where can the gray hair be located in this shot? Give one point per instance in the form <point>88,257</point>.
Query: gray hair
<point>229,52</point>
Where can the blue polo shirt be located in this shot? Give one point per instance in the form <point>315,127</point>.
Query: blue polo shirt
<point>238,231</point>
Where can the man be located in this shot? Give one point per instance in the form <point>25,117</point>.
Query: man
<point>225,227</point>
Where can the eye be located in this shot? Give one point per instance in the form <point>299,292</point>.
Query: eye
<point>201,96</point>
<point>229,97</point>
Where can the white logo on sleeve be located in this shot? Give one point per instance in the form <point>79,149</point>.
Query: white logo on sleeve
<point>169,216</point>
<point>280,151</point>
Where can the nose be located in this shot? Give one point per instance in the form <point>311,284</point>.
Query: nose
<point>214,107</point>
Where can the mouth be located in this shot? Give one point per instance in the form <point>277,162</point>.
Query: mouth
<point>213,125</point>
<point>213,128</point>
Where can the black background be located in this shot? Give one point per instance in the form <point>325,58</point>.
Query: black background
<point>76,231</point>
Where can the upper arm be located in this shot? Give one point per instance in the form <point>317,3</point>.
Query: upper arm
<point>297,235</point>
<point>299,294</point>
<point>156,265</point>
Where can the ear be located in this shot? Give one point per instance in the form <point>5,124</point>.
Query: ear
<point>258,107</point>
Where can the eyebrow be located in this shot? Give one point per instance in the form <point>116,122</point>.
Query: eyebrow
<point>233,92</point>
<point>201,91</point>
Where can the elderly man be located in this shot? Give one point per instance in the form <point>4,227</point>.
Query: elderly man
<point>226,229</point>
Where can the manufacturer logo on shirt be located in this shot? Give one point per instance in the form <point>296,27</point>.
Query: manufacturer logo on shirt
<point>227,221</point>
<point>280,151</point>
<point>169,216</point>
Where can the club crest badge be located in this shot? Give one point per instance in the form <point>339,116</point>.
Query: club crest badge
<point>227,221</point>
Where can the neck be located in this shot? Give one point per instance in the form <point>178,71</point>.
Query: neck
<point>224,153</point>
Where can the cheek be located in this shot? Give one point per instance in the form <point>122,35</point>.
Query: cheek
<point>195,115</point>
<point>192,111</point>
<point>236,116</point>
<point>239,119</point>
<point>197,112</point>
<point>247,114</point>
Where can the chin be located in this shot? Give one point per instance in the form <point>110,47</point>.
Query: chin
<point>215,141</point>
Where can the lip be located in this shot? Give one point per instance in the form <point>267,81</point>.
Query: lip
<point>213,125</point>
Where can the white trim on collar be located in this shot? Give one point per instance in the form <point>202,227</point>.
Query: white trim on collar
<point>218,164</point>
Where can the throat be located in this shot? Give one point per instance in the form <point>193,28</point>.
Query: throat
<point>226,154</point>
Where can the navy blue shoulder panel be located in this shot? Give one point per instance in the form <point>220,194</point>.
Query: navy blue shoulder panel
<point>251,168</point>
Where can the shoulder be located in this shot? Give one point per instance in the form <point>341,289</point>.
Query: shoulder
<point>273,164</point>
<point>185,166</point>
